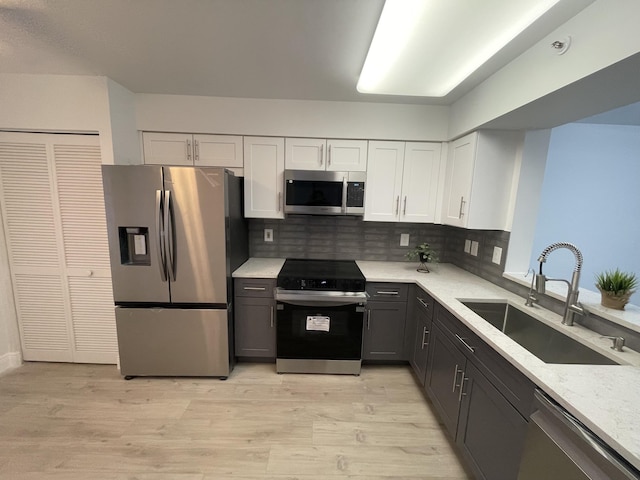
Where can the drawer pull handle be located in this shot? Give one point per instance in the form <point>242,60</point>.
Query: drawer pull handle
<point>471,349</point>
<point>383,292</point>
<point>256,289</point>
<point>424,304</point>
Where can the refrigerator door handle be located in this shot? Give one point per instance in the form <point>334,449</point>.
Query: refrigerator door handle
<point>162,264</point>
<point>169,235</point>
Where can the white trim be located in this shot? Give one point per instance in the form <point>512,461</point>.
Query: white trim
<point>9,361</point>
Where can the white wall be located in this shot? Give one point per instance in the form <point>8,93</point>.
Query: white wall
<point>296,118</point>
<point>60,103</point>
<point>602,34</point>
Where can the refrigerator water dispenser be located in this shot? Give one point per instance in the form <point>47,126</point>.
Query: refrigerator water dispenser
<point>134,245</point>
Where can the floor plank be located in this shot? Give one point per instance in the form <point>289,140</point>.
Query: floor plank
<point>71,422</point>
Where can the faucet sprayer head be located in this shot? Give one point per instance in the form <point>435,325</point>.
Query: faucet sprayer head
<point>554,246</point>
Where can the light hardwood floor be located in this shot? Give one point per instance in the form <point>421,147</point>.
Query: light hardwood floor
<point>72,422</point>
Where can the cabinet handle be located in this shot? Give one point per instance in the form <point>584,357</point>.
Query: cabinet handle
<point>404,207</point>
<point>462,394</point>
<point>425,332</point>
<point>279,200</point>
<point>368,319</point>
<point>329,156</point>
<point>189,150</point>
<point>424,304</point>
<point>196,150</point>
<point>462,340</point>
<point>462,202</point>
<point>397,204</point>
<point>271,316</point>
<point>257,289</point>
<point>455,378</point>
<point>385,292</point>
<point>321,155</point>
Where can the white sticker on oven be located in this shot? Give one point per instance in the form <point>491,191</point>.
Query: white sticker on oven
<point>318,323</point>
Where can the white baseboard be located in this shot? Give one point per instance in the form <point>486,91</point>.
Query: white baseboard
<point>9,361</point>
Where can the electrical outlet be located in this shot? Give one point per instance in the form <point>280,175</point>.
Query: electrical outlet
<point>474,248</point>
<point>268,234</point>
<point>404,239</point>
<point>497,255</point>
<point>467,246</point>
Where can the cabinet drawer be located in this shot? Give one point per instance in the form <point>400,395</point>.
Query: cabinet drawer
<point>509,381</point>
<point>254,287</point>
<point>392,292</point>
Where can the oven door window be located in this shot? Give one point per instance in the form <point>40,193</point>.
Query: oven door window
<point>331,333</point>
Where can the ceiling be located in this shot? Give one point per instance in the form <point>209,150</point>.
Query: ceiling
<point>287,49</point>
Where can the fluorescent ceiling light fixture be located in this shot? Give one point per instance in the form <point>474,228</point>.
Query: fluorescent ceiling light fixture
<point>428,47</point>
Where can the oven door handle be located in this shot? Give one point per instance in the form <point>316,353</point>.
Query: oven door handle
<point>318,299</point>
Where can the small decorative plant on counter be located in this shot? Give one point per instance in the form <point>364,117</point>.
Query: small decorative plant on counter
<point>425,254</point>
<point>616,287</point>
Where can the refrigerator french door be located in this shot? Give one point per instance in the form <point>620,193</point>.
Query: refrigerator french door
<point>170,239</point>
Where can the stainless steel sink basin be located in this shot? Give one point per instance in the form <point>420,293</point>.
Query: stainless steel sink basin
<point>546,343</point>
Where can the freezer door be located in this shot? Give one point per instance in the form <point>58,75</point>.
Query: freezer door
<point>133,203</point>
<point>196,236</point>
<point>173,342</point>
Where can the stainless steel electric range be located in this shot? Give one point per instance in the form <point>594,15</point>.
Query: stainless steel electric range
<point>320,307</point>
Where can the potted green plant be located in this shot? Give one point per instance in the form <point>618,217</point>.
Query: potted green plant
<point>425,254</point>
<point>616,287</point>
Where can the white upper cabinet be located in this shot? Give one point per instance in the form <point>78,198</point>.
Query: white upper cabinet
<point>321,154</point>
<point>402,181</point>
<point>347,155</point>
<point>420,178</point>
<point>193,150</point>
<point>384,181</point>
<point>305,154</point>
<point>479,179</point>
<point>264,177</point>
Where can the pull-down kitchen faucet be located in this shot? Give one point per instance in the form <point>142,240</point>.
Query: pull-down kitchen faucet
<point>572,306</point>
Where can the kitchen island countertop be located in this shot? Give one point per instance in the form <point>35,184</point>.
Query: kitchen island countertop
<point>603,397</point>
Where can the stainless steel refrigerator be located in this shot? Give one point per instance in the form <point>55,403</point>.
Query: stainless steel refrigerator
<point>175,236</point>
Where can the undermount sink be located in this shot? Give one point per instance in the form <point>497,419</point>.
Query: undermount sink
<point>546,343</point>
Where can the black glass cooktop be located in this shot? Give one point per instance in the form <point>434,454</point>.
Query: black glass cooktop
<point>304,274</point>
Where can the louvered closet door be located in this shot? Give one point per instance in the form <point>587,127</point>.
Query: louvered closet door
<point>53,213</point>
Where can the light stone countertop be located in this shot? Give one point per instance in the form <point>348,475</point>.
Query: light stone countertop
<point>603,397</point>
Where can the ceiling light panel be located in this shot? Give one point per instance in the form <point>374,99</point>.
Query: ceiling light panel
<point>428,47</point>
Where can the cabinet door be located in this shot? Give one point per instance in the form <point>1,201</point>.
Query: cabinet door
<point>418,359</point>
<point>347,155</point>
<point>218,151</point>
<point>384,181</point>
<point>305,154</point>
<point>255,333</point>
<point>445,368</point>
<point>491,432</point>
<point>384,331</point>
<point>263,177</point>
<point>420,182</point>
<point>458,179</point>
<point>167,148</point>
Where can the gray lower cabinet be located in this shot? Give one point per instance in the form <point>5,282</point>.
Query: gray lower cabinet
<point>254,318</point>
<point>490,431</point>
<point>384,323</point>
<point>384,331</point>
<point>483,400</point>
<point>422,313</point>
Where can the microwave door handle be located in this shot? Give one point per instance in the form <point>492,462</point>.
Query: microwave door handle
<point>345,185</point>
<point>162,265</point>
<point>169,235</point>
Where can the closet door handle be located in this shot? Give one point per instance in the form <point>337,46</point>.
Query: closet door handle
<point>329,156</point>
<point>321,155</point>
<point>397,204</point>
<point>425,332</point>
<point>404,207</point>
<point>462,202</point>
<point>271,316</point>
<point>189,150</point>
<point>455,378</point>
<point>196,149</point>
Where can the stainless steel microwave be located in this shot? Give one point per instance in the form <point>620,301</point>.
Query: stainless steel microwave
<point>324,193</point>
